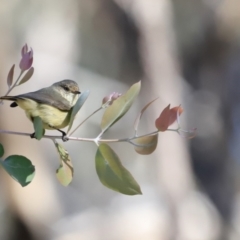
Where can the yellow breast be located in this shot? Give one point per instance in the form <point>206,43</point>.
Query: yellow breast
<point>51,116</point>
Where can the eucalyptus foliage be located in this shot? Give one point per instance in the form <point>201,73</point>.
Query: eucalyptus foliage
<point>109,168</point>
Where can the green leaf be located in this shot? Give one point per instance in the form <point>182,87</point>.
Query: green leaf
<point>1,150</point>
<point>145,145</point>
<point>27,76</point>
<point>119,107</point>
<point>10,76</point>
<point>19,168</point>
<point>81,100</point>
<point>38,127</point>
<point>65,171</point>
<point>112,173</point>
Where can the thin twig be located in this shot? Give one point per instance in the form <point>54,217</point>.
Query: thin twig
<point>85,121</point>
<point>14,85</point>
<point>52,137</point>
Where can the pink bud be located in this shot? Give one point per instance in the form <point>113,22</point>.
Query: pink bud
<point>111,98</point>
<point>24,49</point>
<point>115,96</point>
<point>27,58</point>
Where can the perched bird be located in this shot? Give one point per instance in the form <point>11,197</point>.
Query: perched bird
<point>52,104</point>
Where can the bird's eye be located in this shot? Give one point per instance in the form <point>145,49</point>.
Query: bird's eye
<point>66,88</point>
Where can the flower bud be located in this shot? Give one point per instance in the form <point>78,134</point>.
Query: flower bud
<point>27,58</point>
<point>111,98</point>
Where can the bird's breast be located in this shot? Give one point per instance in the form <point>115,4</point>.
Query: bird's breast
<point>50,116</point>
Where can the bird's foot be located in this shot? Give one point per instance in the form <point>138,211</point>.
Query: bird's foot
<point>64,135</point>
<point>32,135</point>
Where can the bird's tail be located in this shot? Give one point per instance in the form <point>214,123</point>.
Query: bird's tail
<point>9,98</point>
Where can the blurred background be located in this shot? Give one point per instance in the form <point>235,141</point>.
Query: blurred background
<point>185,52</point>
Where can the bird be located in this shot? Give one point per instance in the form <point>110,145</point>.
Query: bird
<point>52,104</point>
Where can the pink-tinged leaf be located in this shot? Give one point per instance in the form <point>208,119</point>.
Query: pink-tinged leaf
<point>145,145</point>
<point>27,76</point>
<point>174,113</point>
<point>10,76</point>
<point>167,117</point>
<point>137,121</point>
<point>162,122</point>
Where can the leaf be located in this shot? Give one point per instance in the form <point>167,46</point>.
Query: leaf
<point>1,150</point>
<point>10,76</point>
<point>145,145</point>
<point>136,123</point>
<point>65,171</point>
<point>19,168</point>
<point>168,117</point>
<point>188,133</point>
<point>81,100</point>
<point>38,127</point>
<point>119,107</point>
<point>174,113</point>
<point>162,122</point>
<point>112,173</point>
<point>27,76</point>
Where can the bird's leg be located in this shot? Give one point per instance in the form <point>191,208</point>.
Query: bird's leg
<point>64,138</point>
<point>32,135</point>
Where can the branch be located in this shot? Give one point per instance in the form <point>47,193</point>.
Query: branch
<point>52,137</point>
<point>14,85</point>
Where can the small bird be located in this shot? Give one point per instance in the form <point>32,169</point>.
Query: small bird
<point>52,104</point>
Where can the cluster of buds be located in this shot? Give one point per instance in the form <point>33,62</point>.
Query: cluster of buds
<point>27,58</point>
<point>109,99</point>
<point>25,65</point>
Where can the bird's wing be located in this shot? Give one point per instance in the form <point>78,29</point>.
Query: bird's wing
<point>51,98</point>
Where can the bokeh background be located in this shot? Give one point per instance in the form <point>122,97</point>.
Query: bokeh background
<point>185,52</point>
